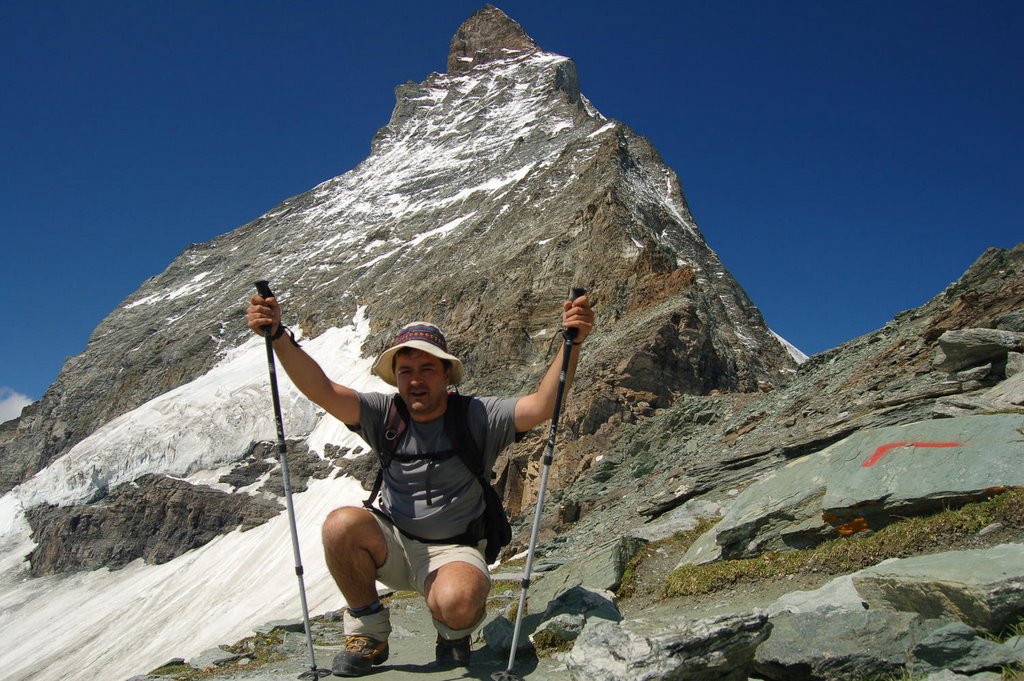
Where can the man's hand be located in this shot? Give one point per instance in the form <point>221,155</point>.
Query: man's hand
<point>577,314</point>
<point>263,312</point>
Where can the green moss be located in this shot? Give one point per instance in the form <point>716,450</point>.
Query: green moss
<point>547,643</point>
<point>174,669</point>
<point>677,543</point>
<point>904,538</point>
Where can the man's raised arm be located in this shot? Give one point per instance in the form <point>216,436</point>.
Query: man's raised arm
<point>339,401</point>
<point>539,406</point>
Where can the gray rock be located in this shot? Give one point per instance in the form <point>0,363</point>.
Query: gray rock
<point>839,594</point>
<point>599,570</point>
<point>983,588</point>
<point>1008,393</point>
<point>681,519</point>
<point>840,644</point>
<point>212,658</point>
<point>977,373</point>
<point>1014,364</point>
<point>559,629</point>
<point>965,348</point>
<point>990,528</point>
<point>719,648</point>
<point>947,675</point>
<point>866,481</point>
<point>565,614</point>
<point>499,632</point>
<point>581,601</point>
<point>1011,321</point>
<point>959,648</point>
<point>294,626</point>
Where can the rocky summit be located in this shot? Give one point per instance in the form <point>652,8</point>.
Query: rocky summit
<point>718,510</point>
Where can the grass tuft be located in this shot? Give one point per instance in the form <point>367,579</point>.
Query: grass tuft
<point>838,556</point>
<point>677,543</point>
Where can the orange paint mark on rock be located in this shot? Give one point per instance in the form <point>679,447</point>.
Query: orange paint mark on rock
<point>853,527</point>
<point>886,448</point>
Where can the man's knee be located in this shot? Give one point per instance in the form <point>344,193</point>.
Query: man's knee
<point>458,587</point>
<point>351,527</point>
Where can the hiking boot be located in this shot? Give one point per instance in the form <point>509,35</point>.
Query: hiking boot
<point>361,653</point>
<point>452,653</point>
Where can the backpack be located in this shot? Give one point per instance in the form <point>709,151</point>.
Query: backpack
<point>496,528</point>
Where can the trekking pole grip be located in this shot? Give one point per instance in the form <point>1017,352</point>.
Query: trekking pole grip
<point>570,334</point>
<point>263,288</point>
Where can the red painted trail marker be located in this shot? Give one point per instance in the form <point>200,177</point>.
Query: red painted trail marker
<point>884,449</point>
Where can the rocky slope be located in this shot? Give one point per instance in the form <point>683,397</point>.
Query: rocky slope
<point>942,610</point>
<point>939,426</point>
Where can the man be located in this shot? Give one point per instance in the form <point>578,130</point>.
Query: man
<point>421,538</point>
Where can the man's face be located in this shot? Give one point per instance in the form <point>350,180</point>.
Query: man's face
<point>422,383</point>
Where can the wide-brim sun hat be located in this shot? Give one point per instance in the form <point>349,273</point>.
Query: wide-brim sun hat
<point>419,336</point>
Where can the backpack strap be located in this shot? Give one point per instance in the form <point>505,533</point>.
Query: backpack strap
<point>456,426</point>
<point>395,423</point>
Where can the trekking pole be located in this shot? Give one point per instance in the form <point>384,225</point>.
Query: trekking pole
<point>569,336</point>
<point>263,288</point>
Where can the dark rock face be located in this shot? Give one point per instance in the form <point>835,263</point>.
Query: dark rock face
<point>487,35</point>
<point>156,518</point>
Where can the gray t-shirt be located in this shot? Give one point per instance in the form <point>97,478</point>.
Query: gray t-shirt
<point>435,497</point>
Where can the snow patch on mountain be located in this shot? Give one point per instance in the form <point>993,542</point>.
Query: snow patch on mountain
<point>201,425</point>
<point>151,613</point>
<point>210,595</point>
<point>793,351</point>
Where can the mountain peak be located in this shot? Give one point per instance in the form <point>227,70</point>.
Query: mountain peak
<point>487,35</point>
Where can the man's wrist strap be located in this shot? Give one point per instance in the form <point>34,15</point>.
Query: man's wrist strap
<point>281,329</point>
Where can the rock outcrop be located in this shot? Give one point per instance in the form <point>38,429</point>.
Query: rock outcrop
<point>156,518</point>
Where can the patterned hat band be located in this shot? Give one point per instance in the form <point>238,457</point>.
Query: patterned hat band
<point>422,332</point>
<point>422,336</point>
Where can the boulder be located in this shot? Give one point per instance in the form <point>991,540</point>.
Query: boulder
<point>601,570</point>
<point>959,648</point>
<point>498,634</point>
<point>866,481</point>
<point>1009,393</point>
<point>1014,364</point>
<point>718,648</point>
<point>964,348</point>
<point>558,631</point>
<point>839,594</point>
<point>562,621</point>
<point>840,644</point>
<point>982,588</point>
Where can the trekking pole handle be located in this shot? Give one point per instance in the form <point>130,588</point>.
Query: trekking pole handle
<point>570,334</point>
<point>263,288</point>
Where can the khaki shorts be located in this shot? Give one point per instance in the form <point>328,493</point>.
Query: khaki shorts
<point>410,562</point>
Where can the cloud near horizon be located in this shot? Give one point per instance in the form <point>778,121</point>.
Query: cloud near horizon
<point>11,403</point>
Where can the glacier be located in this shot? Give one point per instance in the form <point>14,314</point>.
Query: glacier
<point>115,623</point>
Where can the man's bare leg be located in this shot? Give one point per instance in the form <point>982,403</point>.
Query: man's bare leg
<point>457,597</point>
<point>354,548</point>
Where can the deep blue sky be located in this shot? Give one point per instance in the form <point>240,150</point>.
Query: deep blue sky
<point>846,160</point>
